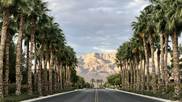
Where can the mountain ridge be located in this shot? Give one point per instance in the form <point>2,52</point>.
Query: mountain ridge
<point>99,66</point>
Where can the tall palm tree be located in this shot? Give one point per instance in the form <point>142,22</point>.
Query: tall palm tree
<point>6,5</point>
<point>173,25</point>
<point>97,81</point>
<point>25,9</point>
<point>165,63</point>
<point>36,12</point>
<point>118,62</point>
<point>158,16</point>
<point>101,81</point>
<point>10,32</point>
<point>139,27</point>
<point>7,62</point>
<point>92,81</point>
<point>150,30</point>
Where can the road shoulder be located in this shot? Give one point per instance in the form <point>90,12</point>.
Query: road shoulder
<point>44,97</point>
<point>155,98</point>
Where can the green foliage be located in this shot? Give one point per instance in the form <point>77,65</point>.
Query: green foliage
<point>87,85</point>
<point>170,88</point>
<point>11,90</point>
<point>115,78</point>
<point>74,77</point>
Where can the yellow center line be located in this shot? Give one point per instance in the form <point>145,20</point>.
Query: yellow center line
<point>96,96</point>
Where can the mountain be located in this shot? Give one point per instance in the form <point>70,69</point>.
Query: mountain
<point>96,65</point>
<point>99,66</point>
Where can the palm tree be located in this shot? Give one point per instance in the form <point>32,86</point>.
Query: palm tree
<point>148,11</point>
<point>131,73</point>
<point>25,9</point>
<point>158,13</point>
<point>138,27</point>
<point>92,81</point>
<point>36,12</point>
<point>118,62</point>
<point>6,4</point>
<point>173,17</point>
<point>101,81</point>
<point>158,66</point>
<point>7,62</point>
<point>166,56</point>
<point>10,32</point>
<point>97,81</point>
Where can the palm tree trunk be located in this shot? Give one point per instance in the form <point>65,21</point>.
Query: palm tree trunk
<point>162,64</point>
<point>67,77</point>
<point>158,65</point>
<point>64,81</point>
<point>134,78</point>
<point>166,55</point>
<point>121,74</point>
<point>127,74</point>
<point>55,72</point>
<point>45,70</point>
<point>141,70</point>
<point>7,63</point>
<point>44,74</point>
<point>148,77</point>
<point>136,63</point>
<point>147,63</point>
<point>143,76</point>
<point>131,74</point>
<point>144,71</point>
<point>40,69</point>
<point>63,78</point>
<point>60,74</point>
<point>177,90</point>
<point>27,44</point>
<point>19,56</point>
<point>29,75</point>
<point>124,75</point>
<point>5,25</point>
<point>126,87</point>
<point>69,82</point>
<point>50,70</point>
<point>153,64</point>
<point>35,67</point>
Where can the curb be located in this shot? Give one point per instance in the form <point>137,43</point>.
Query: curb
<point>155,98</point>
<point>44,97</point>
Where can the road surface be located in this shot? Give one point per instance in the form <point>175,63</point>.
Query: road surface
<point>97,95</point>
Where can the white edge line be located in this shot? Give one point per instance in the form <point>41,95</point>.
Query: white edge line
<point>155,98</point>
<point>35,99</point>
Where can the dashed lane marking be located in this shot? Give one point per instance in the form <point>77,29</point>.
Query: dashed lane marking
<point>96,96</point>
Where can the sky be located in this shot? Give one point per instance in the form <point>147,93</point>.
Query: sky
<point>99,26</point>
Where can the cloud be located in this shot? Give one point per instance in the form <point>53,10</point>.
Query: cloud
<point>96,25</point>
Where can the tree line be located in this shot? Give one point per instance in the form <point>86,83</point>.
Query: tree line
<point>155,24</point>
<point>29,21</point>
<point>96,81</point>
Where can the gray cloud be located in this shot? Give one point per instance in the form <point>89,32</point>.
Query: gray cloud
<point>96,25</point>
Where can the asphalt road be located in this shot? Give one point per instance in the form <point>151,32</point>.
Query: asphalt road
<point>97,95</point>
